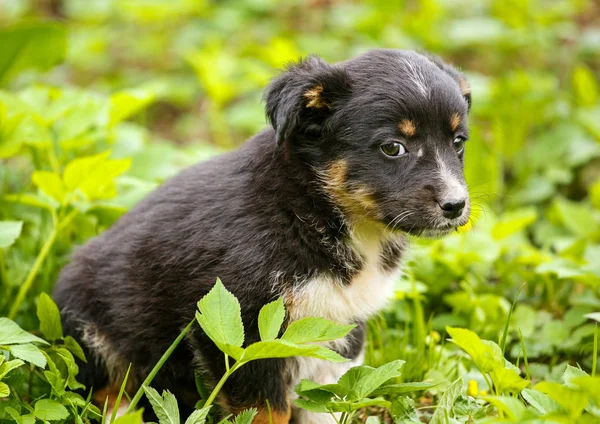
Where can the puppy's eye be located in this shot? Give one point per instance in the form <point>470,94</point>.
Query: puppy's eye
<point>393,149</point>
<point>459,144</point>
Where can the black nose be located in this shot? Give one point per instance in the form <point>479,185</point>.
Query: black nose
<point>452,207</point>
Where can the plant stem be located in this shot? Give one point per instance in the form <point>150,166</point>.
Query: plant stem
<point>33,272</point>
<point>158,366</point>
<point>221,382</point>
<point>35,269</point>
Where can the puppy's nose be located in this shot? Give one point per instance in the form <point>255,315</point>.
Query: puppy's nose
<point>452,208</point>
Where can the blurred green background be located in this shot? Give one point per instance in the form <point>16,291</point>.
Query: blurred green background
<point>160,85</point>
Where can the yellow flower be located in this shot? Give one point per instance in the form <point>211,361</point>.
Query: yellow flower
<point>472,388</point>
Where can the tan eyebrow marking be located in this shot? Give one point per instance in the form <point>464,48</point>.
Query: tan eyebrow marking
<point>407,127</point>
<point>464,86</point>
<point>314,97</point>
<point>454,121</point>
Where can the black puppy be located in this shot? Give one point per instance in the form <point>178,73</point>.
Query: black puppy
<point>314,209</point>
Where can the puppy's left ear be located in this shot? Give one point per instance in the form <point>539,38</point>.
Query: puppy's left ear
<point>304,97</point>
<point>463,85</point>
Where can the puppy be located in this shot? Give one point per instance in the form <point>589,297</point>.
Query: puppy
<point>314,209</point>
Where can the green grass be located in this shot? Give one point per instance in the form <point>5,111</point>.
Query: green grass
<point>133,91</point>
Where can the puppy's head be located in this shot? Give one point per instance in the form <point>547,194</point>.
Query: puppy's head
<point>385,133</point>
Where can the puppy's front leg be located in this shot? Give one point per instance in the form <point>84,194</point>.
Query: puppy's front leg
<point>253,385</point>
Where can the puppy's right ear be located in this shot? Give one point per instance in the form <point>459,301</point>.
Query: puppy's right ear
<point>304,97</point>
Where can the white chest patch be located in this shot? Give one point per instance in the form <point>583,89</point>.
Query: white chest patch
<point>366,294</point>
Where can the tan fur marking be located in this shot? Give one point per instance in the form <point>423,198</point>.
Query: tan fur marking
<point>464,86</point>
<point>109,396</point>
<point>314,98</point>
<point>454,121</point>
<point>356,200</point>
<point>407,127</point>
<point>277,417</point>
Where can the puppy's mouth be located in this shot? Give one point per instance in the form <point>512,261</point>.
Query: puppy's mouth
<point>426,225</point>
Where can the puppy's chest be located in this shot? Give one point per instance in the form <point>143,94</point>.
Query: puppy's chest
<point>367,291</point>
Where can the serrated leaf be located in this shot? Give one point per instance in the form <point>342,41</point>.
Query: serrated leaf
<point>8,366</point>
<point>4,390</point>
<point>199,416</point>
<point>29,353</point>
<point>49,409</point>
<point>285,349</point>
<point>446,402</point>
<point>315,329</point>
<point>403,410</point>
<point>49,316</point>
<point>246,417</point>
<point>221,318</point>
<point>133,418</point>
<point>570,374</point>
<point>270,319</point>
<point>164,407</point>
<point>9,232</point>
<point>50,183</point>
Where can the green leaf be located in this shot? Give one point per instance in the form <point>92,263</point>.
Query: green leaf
<point>246,417</point>
<point>543,403</point>
<point>4,390</point>
<point>29,353</point>
<point>572,400</point>
<point>94,175</point>
<point>585,86</point>
<point>199,416</point>
<point>31,46</point>
<point>285,349</point>
<point>446,402</point>
<point>221,319</point>
<point>49,317</point>
<point>363,380</point>
<point>589,384</point>
<point>9,232</point>
<point>72,346</point>
<point>72,368</point>
<point>8,366</point>
<point>510,406</point>
<point>351,406</point>
<point>373,420</point>
<point>403,410</point>
<point>126,103</point>
<point>49,409</point>
<point>165,407</point>
<point>270,319</point>
<point>133,418</point>
<point>50,183</point>
<point>11,333</point>
<point>485,356</point>
<point>315,329</point>
<point>513,222</point>
<point>401,388</point>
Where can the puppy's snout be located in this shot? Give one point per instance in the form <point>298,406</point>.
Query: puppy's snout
<point>452,207</point>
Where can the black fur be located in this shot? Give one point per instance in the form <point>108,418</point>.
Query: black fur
<point>265,208</point>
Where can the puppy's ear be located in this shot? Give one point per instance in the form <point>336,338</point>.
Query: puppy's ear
<point>302,98</point>
<point>460,79</point>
